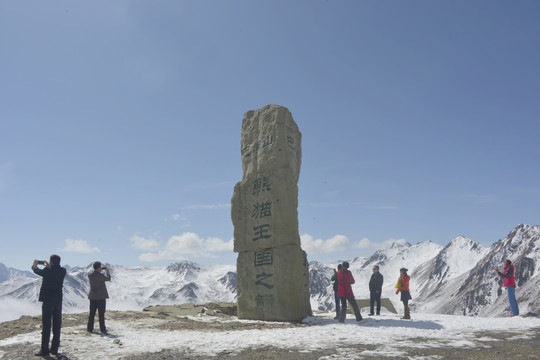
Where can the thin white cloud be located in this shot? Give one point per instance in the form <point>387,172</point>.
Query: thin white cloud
<point>79,246</point>
<point>12,308</point>
<point>150,257</point>
<point>217,245</point>
<point>179,247</point>
<point>186,244</point>
<point>347,204</point>
<point>335,243</point>
<point>182,219</point>
<point>364,243</point>
<point>388,243</point>
<point>202,185</point>
<point>208,206</point>
<point>138,242</point>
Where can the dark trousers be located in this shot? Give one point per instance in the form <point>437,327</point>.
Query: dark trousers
<point>343,311</point>
<point>374,297</point>
<point>98,305</point>
<point>338,312</point>
<point>51,310</point>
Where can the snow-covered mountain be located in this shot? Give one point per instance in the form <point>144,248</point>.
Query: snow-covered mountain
<point>8,273</point>
<point>455,279</point>
<point>135,287</point>
<point>480,291</point>
<point>438,277</point>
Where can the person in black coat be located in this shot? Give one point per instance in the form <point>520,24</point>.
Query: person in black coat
<point>375,290</point>
<point>335,286</point>
<point>50,295</point>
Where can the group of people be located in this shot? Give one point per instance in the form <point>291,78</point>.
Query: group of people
<point>51,296</point>
<point>343,280</point>
<point>53,276</point>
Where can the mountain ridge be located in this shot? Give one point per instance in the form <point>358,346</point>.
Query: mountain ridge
<point>454,279</point>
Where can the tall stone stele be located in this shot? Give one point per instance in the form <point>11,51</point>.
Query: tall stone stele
<point>272,268</point>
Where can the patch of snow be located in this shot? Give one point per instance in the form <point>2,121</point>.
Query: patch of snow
<point>390,335</point>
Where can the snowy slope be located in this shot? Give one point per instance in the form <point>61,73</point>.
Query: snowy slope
<point>480,292</point>
<point>8,273</point>
<point>318,337</point>
<point>134,287</point>
<point>455,279</point>
<point>439,277</point>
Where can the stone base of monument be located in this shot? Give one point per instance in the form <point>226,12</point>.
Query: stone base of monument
<point>276,288</point>
<point>385,303</point>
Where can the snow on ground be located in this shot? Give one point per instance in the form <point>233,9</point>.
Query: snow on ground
<point>388,333</point>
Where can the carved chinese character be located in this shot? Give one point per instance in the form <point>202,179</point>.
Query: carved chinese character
<point>290,143</point>
<point>261,210</point>
<point>268,141</point>
<point>261,184</point>
<point>264,276</point>
<point>261,231</point>
<point>264,257</point>
<point>264,301</point>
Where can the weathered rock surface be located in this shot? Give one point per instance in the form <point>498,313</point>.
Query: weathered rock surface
<point>272,269</point>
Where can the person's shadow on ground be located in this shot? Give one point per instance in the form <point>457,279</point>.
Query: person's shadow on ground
<point>428,325</point>
<point>371,322</point>
<point>51,357</point>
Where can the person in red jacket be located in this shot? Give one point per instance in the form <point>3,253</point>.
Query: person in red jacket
<point>345,293</point>
<point>403,287</point>
<point>510,285</point>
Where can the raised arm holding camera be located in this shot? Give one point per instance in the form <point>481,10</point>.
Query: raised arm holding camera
<point>50,295</point>
<point>97,296</point>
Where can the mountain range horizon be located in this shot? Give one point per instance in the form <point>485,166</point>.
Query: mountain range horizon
<point>456,279</point>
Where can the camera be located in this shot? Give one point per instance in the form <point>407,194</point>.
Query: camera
<point>104,268</point>
<point>41,262</point>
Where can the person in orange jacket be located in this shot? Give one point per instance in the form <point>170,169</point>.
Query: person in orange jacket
<point>403,287</point>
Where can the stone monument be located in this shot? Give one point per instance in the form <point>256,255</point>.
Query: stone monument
<point>272,268</point>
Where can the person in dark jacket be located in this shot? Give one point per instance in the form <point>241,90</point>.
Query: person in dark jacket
<point>50,295</point>
<point>97,296</point>
<point>375,290</point>
<point>336,296</point>
<point>345,280</point>
<point>510,285</point>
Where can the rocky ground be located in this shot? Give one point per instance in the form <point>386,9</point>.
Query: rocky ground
<point>170,318</point>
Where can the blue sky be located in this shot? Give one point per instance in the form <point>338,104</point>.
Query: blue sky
<point>120,123</point>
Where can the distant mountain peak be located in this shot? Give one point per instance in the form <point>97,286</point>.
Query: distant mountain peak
<point>183,266</point>
<point>397,245</point>
<point>463,242</point>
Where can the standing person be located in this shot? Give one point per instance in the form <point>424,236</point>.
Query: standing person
<point>97,296</point>
<point>375,290</point>
<point>345,280</point>
<point>50,295</point>
<point>403,287</point>
<point>510,285</point>
<point>336,296</point>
